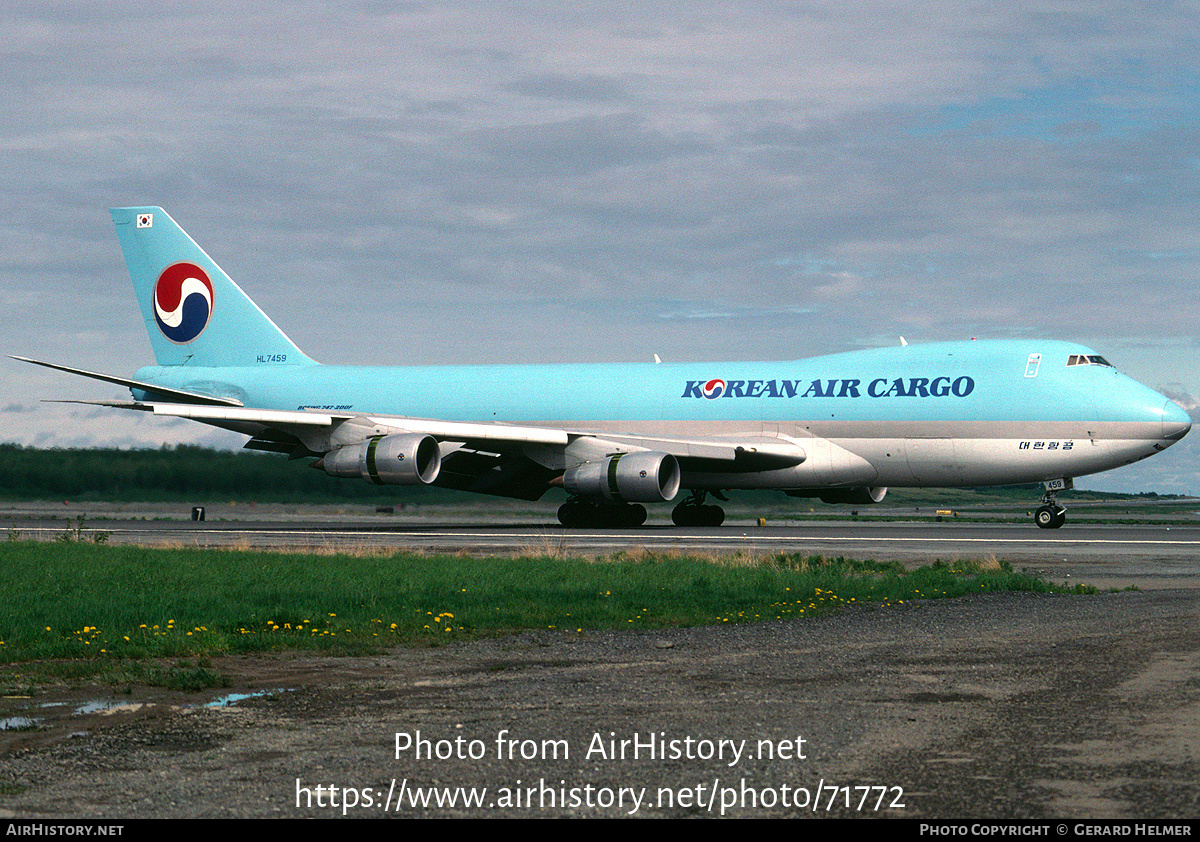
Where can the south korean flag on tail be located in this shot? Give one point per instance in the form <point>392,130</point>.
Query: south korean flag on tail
<point>145,220</point>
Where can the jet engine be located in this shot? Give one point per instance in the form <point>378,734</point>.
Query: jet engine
<point>861,496</point>
<point>856,496</point>
<point>398,459</point>
<point>640,477</point>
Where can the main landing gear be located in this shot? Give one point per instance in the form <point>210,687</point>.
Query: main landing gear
<point>593,513</point>
<point>586,513</point>
<point>693,512</point>
<point>1051,514</point>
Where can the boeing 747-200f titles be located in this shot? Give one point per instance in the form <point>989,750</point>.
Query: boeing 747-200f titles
<point>616,436</point>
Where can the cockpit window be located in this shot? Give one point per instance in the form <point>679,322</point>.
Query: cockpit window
<point>1088,359</point>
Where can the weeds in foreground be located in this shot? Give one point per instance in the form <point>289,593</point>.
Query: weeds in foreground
<point>79,602</point>
<point>78,533</point>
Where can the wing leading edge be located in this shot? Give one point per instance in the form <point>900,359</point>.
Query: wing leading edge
<point>495,458</point>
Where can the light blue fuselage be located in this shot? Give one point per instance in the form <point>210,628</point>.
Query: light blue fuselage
<point>962,413</point>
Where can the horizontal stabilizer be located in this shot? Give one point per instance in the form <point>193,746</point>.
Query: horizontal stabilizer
<point>165,391</point>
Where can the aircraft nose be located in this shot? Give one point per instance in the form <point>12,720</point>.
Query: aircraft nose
<point>1175,421</point>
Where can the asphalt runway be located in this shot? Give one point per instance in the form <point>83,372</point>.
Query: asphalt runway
<point>1116,554</point>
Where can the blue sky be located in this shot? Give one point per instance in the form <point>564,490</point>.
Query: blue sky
<point>512,182</point>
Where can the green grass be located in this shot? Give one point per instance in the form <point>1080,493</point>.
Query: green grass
<point>88,602</point>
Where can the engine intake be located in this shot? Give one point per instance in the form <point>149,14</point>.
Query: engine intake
<point>399,459</point>
<point>861,496</point>
<point>641,477</point>
<point>856,496</point>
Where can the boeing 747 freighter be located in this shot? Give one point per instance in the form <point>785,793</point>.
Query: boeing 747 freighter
<point>842,428</point>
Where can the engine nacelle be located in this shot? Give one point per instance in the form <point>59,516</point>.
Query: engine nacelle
<point>399,459</point>
<point>855,496</point>
<point>640,477</point>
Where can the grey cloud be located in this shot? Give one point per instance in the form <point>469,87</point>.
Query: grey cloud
<point>585,88</point>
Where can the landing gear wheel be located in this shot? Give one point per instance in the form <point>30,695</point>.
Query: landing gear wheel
<point>690,515</point>
<point>588,514</point>
<point>633,514</point>
<point>693,512</point>
<point>572,515</point>
<point>1050,516</point>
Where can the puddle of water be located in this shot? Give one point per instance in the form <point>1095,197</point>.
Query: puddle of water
<point>19,723</point>
<point>234,698</point>
<point>27,723</point>
<point>96,707</point>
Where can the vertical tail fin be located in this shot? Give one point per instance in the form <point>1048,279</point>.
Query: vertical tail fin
<point>195,314</point>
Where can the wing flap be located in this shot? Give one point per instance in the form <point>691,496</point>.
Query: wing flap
<point>268,417</point>
<point>475,432</point>
<point>749,453</point>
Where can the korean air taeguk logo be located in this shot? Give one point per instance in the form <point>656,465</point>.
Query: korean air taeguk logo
<point>183,302</point>
<point>713,389</point>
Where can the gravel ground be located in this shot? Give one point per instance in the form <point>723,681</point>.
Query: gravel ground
<point>996,706</point>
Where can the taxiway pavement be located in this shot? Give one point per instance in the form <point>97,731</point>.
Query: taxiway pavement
<point>1109,555</point>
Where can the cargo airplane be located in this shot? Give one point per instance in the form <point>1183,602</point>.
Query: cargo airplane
<point>842,428</point>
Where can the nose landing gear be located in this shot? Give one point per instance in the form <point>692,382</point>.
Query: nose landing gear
<point>1051,514</point>
<point>1050,517</point>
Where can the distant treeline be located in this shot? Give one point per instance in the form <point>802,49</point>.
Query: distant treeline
<point>195,474</point>
<point>180,472</point>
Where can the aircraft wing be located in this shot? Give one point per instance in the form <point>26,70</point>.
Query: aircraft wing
<point>322,431</point>
<point>309,425</point>
<point>508,460</point>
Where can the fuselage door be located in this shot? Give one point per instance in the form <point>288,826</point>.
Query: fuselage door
<point>1031,365</point>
